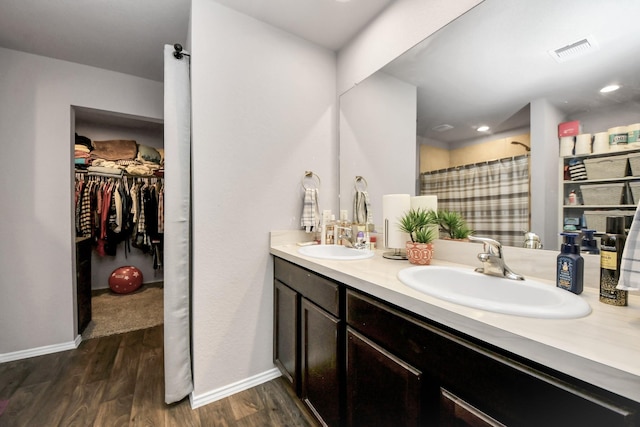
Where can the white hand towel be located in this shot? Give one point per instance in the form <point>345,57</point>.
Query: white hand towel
<point>630,264</point>
<point>310,219</point>
<point>362,213</point>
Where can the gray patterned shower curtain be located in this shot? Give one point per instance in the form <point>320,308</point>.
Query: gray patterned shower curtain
<point>493,196</point>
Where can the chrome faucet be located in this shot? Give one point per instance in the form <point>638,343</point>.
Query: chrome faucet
<point>346,238</point>
<point>493,260</point>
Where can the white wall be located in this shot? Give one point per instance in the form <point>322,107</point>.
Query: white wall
<point>545,171</point>
<point>401,26</point>
<point>37,244</point>
<point>264,111</point>
<point>378,134</point>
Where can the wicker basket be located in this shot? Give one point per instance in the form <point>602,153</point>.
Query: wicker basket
<point>597,220</point>
<point>602,194</point>
<point>634,164</point>
<point>607,167</point>
<point>635,192</point>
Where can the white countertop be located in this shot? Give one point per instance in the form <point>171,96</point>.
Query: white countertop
<point>602,348</point>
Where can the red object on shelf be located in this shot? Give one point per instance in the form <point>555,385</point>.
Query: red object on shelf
<point>569,128</point>
<point>125,279</point>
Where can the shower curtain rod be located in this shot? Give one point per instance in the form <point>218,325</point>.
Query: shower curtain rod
<point>470,165</point>
<point>178,51</point>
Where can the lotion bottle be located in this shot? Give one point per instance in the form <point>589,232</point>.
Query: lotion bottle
<point>611,246</point>
<point>570,265</point>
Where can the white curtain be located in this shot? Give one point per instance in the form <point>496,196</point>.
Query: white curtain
<point>177,243</point>
<point>493,196</point>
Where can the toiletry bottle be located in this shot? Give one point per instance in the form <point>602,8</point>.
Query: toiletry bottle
<point>326,215</point>
<point>330,230</point>
<point>570,265</point>
<point>573,198</point>
<point>611,246</point>
<point>344,224</point>
<point>589,245</point>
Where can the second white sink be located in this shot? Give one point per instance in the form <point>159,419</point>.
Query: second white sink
<point>527,298</point>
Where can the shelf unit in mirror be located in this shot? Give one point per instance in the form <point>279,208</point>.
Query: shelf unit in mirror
<point>612,188</point>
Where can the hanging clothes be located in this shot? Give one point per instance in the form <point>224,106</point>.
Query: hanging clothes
<point>121,210</point>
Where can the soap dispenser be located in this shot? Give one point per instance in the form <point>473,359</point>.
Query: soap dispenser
<point>570,265</point>
<point>589,244</point>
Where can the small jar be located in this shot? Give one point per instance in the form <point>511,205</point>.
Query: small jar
<point>372,242</point>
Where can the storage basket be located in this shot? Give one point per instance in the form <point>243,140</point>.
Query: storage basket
<point>602,194</point>
<point>607,167</point>
<point>634,164</point>
<point>635,191</point>
<point>597,220</point>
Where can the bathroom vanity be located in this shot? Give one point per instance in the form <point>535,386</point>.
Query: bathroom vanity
<point>361,349</point>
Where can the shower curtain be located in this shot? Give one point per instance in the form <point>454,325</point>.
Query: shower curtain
<point>493,196</point>
<point>177,279</point>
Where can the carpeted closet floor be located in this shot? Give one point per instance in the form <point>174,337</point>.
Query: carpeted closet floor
<point>117,313</point>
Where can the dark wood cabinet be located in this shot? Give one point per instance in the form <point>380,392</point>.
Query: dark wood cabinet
<point>285,345</point>
<point>320,336</point>
<point>359,361</point>
<point>487,384</point>
<point>382,390</point>
<point>455,412</point>
<point>308,338</point>
<point>83,281</point>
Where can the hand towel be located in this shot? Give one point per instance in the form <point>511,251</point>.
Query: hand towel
<point>362,213</point>
<point>630,264</point>
<point>310,218</point>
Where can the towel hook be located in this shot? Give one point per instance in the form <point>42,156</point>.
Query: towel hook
<point>309,176</point>
<point>363,183</point>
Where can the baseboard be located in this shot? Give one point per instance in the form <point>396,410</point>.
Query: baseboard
<point>228,390</point>
<point>40,351</point>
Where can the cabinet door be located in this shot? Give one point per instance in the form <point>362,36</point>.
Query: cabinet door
<point>382,390</point>
<point>455,412</point>
<point>320,376</point>
<point>285,327</point>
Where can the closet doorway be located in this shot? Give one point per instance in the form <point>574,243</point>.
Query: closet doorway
<point>118,167</point>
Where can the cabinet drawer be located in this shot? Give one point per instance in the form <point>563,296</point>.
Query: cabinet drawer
<point>322,291</point>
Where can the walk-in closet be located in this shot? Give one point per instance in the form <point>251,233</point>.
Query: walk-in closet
<point>118,166</point>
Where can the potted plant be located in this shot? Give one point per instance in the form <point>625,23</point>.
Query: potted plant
<point>452,224</point>
<point>422,230</point>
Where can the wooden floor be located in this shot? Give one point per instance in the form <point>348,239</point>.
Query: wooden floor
<point>118,381</point>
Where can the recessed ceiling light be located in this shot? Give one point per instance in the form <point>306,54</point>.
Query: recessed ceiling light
<point>483,128</point>
<point>609,88</point>
<point>442,127</point>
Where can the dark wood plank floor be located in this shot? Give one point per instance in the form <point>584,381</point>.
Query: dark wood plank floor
<point>118,381</point>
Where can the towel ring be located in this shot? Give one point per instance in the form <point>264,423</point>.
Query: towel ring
<point>363,183</point>
<point>309,176</point>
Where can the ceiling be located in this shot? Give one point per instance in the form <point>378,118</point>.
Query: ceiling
<point>127,35</point>
<point>488,65</point>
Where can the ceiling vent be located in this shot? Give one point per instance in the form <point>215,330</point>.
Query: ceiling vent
<point>574,50</point>
<point>441,128</point>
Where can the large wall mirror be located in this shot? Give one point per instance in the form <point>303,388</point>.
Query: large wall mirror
<point>520,68</point>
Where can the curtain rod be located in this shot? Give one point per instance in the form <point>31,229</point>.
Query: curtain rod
<point>116,176</point>
<point>179,53</point>
<point>470,165</point>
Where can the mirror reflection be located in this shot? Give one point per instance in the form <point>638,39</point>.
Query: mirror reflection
<point>519,68</point>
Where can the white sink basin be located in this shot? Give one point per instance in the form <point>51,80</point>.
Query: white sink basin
<point>527,298</point>
<point>336,252</point>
